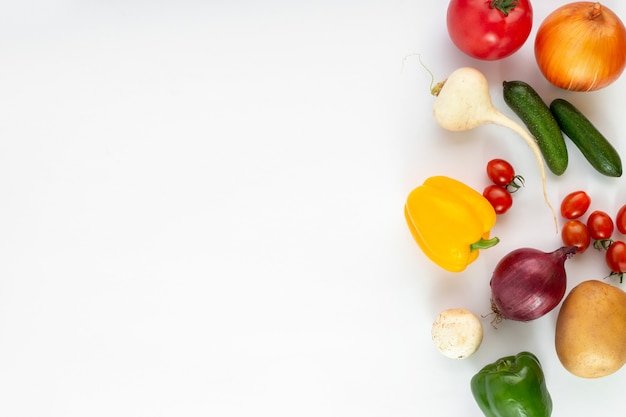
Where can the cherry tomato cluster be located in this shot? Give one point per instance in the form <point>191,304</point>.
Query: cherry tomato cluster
<point>505,182</point>
<point>599,227</point>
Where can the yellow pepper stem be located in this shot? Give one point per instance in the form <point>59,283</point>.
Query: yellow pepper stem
<point>484,243</point>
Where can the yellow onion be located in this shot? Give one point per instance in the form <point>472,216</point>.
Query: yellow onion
<point>581,46</point>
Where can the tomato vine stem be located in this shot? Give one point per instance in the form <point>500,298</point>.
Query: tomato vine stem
<point>505,6</point>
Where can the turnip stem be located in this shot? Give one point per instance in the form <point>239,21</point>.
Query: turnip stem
<point>502,120</point>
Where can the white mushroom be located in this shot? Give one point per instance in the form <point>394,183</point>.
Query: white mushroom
<point>457,333</point>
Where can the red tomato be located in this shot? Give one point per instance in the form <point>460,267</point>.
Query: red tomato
<point>575,233</point>
<point>499,198</point>
<point>616,257</point>
<point>575,204</point>
<point>485,32</point>
<point>500,172</point>
<point>620,219</point>
<point>600,225</point>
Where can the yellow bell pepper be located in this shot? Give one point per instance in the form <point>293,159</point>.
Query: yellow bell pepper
<point>450,222</point>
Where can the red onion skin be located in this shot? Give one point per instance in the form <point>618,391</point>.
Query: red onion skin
<point>527,283</point>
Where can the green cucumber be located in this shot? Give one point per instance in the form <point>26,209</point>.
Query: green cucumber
<point>592,144</point>
<point>536,115</point>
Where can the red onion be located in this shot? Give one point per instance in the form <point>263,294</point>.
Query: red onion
<point>528,283</point>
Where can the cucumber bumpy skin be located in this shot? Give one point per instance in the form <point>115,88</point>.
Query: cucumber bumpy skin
<point>536,115</point>
<point>591,143</point>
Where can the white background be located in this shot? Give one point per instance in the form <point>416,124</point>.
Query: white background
<point>201,211</point>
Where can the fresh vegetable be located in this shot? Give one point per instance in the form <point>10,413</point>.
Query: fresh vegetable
<point>457,333</point>
<point>600,225</point>
<point>502,173</point>
<point>580,46</point>
<point>615,257</point>
<point>512,386</point>
<point>463,103</point>
<point>620,219</point>
<point>450,221</point>
<point>499,197</point>
<point>591,143</point>
<point>576,233</point>
<point>528,283</point>
<point>534,112</point>
<point>498,27</point>
<point>575,204</point>
<point>590,336</point>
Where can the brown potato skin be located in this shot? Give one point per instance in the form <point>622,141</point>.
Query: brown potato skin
<point>590,334</point>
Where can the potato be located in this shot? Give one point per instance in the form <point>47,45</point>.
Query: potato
<point>590,336</point>
<point>457,333</point>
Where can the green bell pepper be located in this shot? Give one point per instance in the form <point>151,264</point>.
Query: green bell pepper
<point>512,386</point>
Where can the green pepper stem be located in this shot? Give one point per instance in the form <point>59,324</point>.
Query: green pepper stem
<point>505,6</point>
<point>484,243</point>
<point>505,364</point>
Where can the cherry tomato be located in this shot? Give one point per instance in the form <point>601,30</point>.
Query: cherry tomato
<point>620,219</point>
<point>499,198</point>
<point>485,32</point>
<point>575,204</point>
<point>600,225</point>
<point>500,172</point>
<point>575,233</point>
<point>616,257</point>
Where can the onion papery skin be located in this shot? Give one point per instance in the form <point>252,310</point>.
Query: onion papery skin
<point>528,283</point>
<point>581,46</point>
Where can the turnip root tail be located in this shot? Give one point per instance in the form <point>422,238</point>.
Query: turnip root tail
<point>463,102</point>
<point>503,120</point>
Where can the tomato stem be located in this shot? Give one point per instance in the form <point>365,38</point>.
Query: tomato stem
<point>619,274</point>
<point>505,6</point>
<point>516,183</point>
<point>602,244</point>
